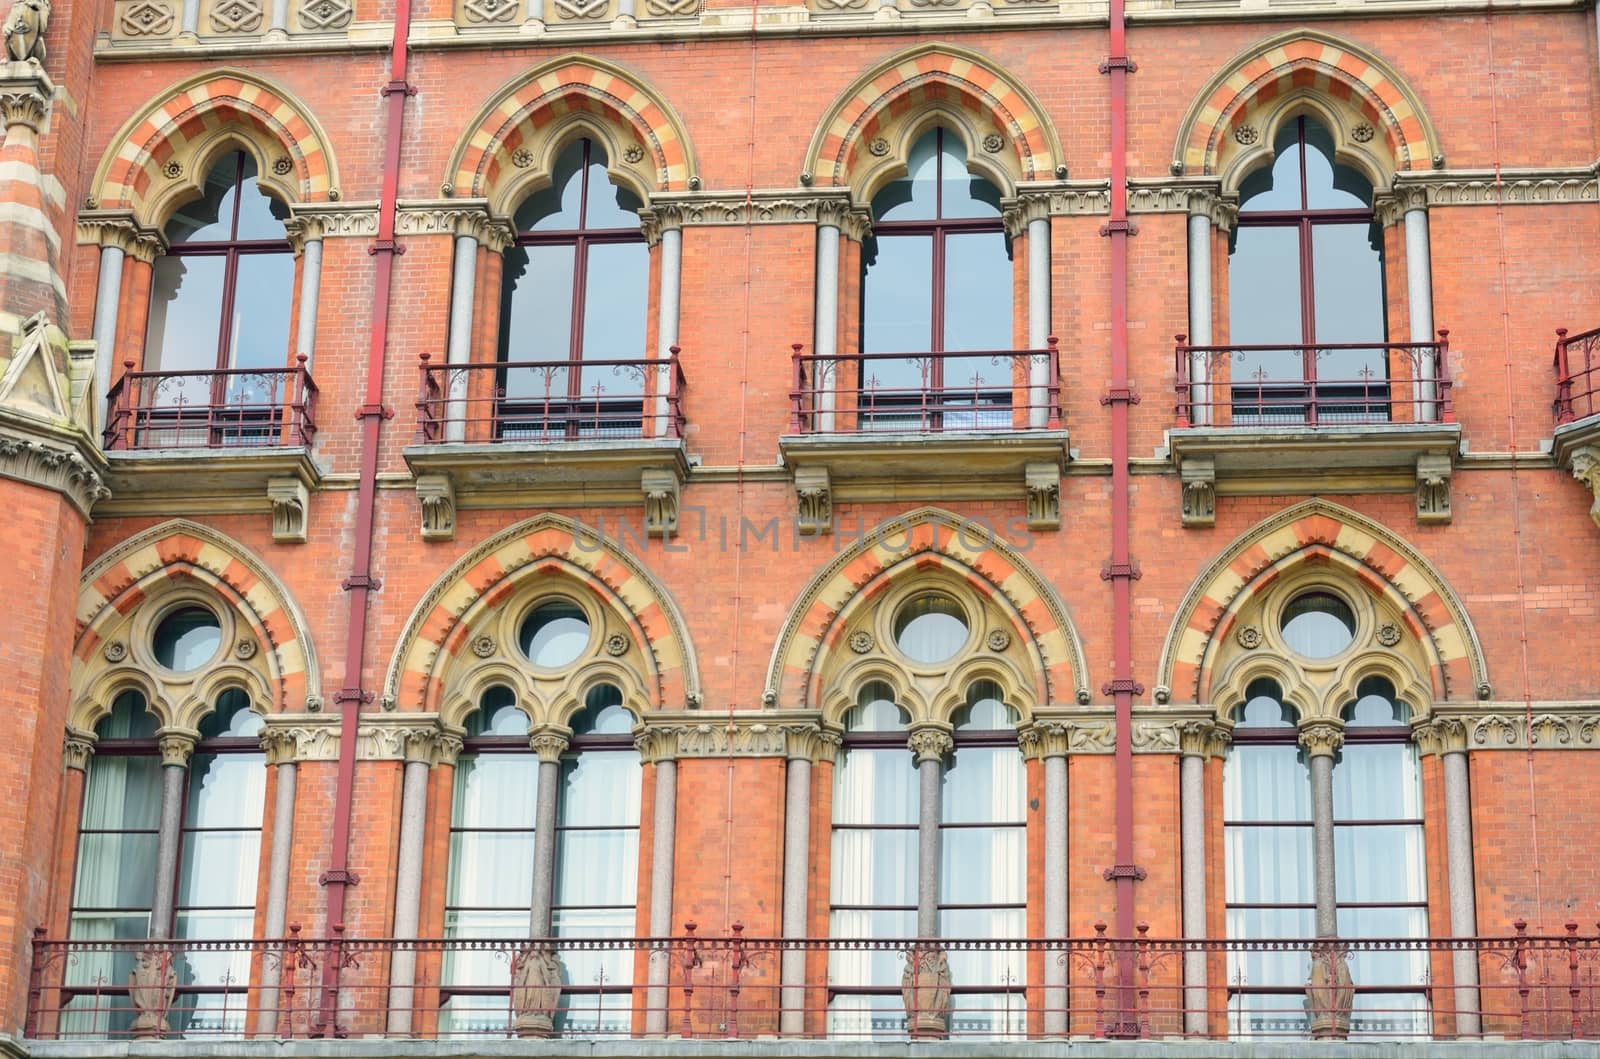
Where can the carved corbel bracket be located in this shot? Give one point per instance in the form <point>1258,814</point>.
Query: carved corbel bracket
<point>1199,478</point>
<point>1043,483</point>
<point>1433,488</point>
<point>660,486</point>
<point>290,504</point>
<point>814,491</point>
<point>1585,464</point>
<point>436,496</point>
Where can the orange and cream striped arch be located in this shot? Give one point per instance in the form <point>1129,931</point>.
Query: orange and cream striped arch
<point>265,648</point>
<point>160,157</point>
<point>863,139</point>
<point>459,626</point>
<point>1376,118</point>
<point>934,546</point>
<point>509,148</point>
<point>1351,549</point>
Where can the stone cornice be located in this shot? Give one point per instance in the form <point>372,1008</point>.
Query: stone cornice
<point>776,206</point>
<point>670,735</point>
<point>379,737</point>
<point>1506,726</point>
<point>455,217</point>
<point>327,220</point>
<point>1479,187</point>
<point>59,464</point>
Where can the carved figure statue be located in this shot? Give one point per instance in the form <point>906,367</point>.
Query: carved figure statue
<point>25,26</point>
<point>535,990</point>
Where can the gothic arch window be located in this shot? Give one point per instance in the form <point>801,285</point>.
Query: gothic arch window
<point>573,303</point>
<point>936,283</point>
<point>219,321</point>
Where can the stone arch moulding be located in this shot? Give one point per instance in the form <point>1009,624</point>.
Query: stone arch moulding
<point>899,548</point>
<point>509,145</point>
<point>160,156</point>
<point>271,640</point>
<point>1227,131</point>
<point>1007,130</point>
<point>442,624</point>
<point>1361,550</point>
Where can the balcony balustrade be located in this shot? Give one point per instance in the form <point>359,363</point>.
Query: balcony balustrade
<point>230,408</point>
<point>1530,988</point>
<point>1577,369</point>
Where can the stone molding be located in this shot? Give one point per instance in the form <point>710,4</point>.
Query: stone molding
<point>1463,187</point>
<point>675,734</point>
<point>294,737</point>
<point>775,206</point>
<point>454,217</point>
<point>119,229</point>
<point>1390,207</point>
<point>46,465</point>
<point>326,220</point>
<point>1194,197</point>
<point>1507,726</point>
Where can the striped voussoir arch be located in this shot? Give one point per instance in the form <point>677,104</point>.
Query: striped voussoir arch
<point>902,547</point>
<point>1356,550</point>
<point>123,578</point>
<point>469,593</point>
<point>933,74</point>
<point>519,114</point>
<point>1328,67</point>
<point>138,165</point>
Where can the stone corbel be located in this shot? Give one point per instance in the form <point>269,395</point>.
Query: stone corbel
<point>290,504</point>
<point>78,749</point>
<point>814,491</point>
<point>1199,478</point>
<point>1433,488</point>
<point>436,496</point>
<point>1043,482</point>
<point>25,94</point>
<point>660,487</point>
<point>1585,465</point>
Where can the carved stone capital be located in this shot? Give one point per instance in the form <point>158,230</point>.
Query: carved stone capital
<point>78,749</point>
<point>1042,480</point>
<point>297,737</point>
<point>1204,739</point>
<point>455,217</point>
<point>447,747</point>
<point>1390,207</point>
<point>436,497</point>
<point>25,94</point>
<point>655,744</point>
<point>1017,213</point>
<point>814,492</point>
<point>1433,488</point>
<point>810,742</point>
<point>1440,736</point>
<point>308,222</point>
<point>1322,738</point>
<point>1585,464</point>
<point>176,745</point>
<point>691,733</point>
<point>851,220</point>
<point>1199,503</point>
<point>659,218</point>
<point>1042,739</point>
<point>52,467</point>
<point>550,741</point>
<point>930,741</point>
<point>398,737</point>
<point>119,229</point>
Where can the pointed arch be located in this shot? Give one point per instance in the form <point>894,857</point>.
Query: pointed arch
<point>457,619</point>
<point>912,546</point>
<point>1358,550</point>
<point>268,652</point>
<point>1008,134</point>
<point>160,157</point>
<point>1376,118</point>
<point>509,147</point>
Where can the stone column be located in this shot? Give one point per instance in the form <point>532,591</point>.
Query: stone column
<point>1419,297</point>
<point>664,225</point>
<point>1322,741</point>
<point>458,351</point>
<point>419,756</point>
<point>659,749</point>
<point>1198,741</point>
<point>280,747</point>
<point>807,744</point>
<point>549,742</point>
<point>305,235</point>
<point>930,742</point>
<point>1030,215</point>
<point>825,330</point>
<point>1047,741</point>
<point>1447,738</point>
<point>176,746</point>
<point>120,238</point>
<point>1206,210</point>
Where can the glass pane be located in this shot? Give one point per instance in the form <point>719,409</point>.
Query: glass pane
<point>219,868</point>
<point>1268,1014</point>
<point>186,639</point>
<point>985,785</point>
<point>597,867</point>
<point>536,316</point>
<point>963,194</point>
<point>258,334</point>
<point>555,208</point>
<point>597,1014</point>
<point>616,296</point>
<point>1268,865</point>
<point>123,793</point>
<point>897,306</point>
<point>116,870</point>
<point>864,1017</point>
<point>987,713</point>
<point>492,870</point>
<point>912,197</point>
<point>608,206</point>
<point>930,629</point>
<point>1391,968</point>
<point>260,215</point>
<point>185,321</point>
<point>1318,625</point>
<point>982,865</point>
<point>554,634</point>
<point>1280,968</point>
<point>210,217</point>
<point>231,718</point>
<point>862,967</point>
<point>1330,186</point>
<point>1266,783</point>
<point>875,786</point>
<point>1377,781</point>
<point>1348,272</point>
<point>1264,302</point>
<point>995,967</point>
<point>226,790</point>
<point>874,867</point>
<point>600,789</point>
<point>877,712</point>
<point>128,719</point>
<point>496,790</point>
<point>1275,187</point>
<point>977,304</point>
<point>1379,862</point>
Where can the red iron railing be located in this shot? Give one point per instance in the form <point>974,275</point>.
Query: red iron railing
<point>1327,384</point>
<point>224,408</point>
<point>1530,987</point>
<point>550,400</point>
<point>927,393</point>
<point>1577,374</point>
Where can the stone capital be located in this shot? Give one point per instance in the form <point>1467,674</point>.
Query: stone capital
<point>1322,738</point>
<point>176,745</point>
<point>1440,736</point>
<point>300,737</point>
<point>447,747</point>
<point>1044,739</point>
<point>851,220</point>
<point>119,229</point>
<point>810,742</point>
<point>321,220</point>
<point>655,743</point>
<point>25,94</point>
<point>1204,739</point>
<point>1390,207</point>
<point>550,741</point>
<point>657,219</point>
<point>1017,213</point>
<point>930,741</point>
<point>78,749</point>
<point>51,466</point>
<point>455,217</point>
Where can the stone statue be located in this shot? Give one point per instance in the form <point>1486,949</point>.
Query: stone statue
<point>535,990</point>
<point>25,27</point>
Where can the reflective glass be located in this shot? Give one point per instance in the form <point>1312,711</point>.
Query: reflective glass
<point>616,296</point>
<point>875,785</point>
<point>897,309</point>
<point>603,714</point>
<point>209,218</point>
<point>260,215</point>
<point>1270,865</point>
<point>877,712</point>
<point>985,784</point>
<point>185,317</point>
<point>1264,303</point>
<point>187,638</point>
<point>1266,783</point>
<point>258,334</point>
<point>1318,625</point>
<point>1377,781</point>
<point>930,629</point>
<point>536,314</point>
<point>608,206</point>
<point>128,719</point>
<point>556,207</point>
<point>232,718</point>
<point>1331,186</point>
<point>554,634</point>
<point>962,193</point>
<point>982,865</point>
<point>873,867</point>
<point>913,197</point>
<point>987,713</point>
<point>977,304</point>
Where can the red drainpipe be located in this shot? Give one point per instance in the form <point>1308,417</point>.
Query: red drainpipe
<point>1121,571</point>
<point>360,584</point>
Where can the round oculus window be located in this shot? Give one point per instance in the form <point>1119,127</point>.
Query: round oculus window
<point>187,639</point>
<point>554,634</point>
<point>930,629</point>
<point>1318,625</point>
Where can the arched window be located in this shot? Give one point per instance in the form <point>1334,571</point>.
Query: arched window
<point>573,302</point>
<point>219,313</point>
<point>936,283</point>
<point>1306,273</point>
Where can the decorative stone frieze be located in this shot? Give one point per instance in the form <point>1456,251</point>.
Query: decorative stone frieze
<point>1322,738</point>
<point>852,221</point>
<point>1510,187</point>
<point>1507,726</point>
<point>659,218</point>
<point>740,733</point>
<point>291,502</point>
<point>60,469</point>
<point>455,217</point>
<point>1042,739</point>
<point>300,737</point>
<point>398,737</point>
<point>1390,207</point>
<point>778,206</point>
<point>236,16</point>
<point>25,94</point>
<point>930,741</point>
<point>811,742</point>
<point>436,497</point>
<point>322,220</point>
<point>146,18</point>
<point>323,16</point>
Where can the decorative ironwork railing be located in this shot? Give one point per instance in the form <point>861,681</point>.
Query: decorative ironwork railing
<point>1325,384</point>
<point>221,408</point>
<point>927,393</point>
<point>1577,374</point>
<point>1529,987</point>
<point>550,400</point>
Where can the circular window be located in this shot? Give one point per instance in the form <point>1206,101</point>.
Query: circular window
<point>1318,625</point>
<point>930,629</point>
<point>187,639</point>
<point>554,634</point>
